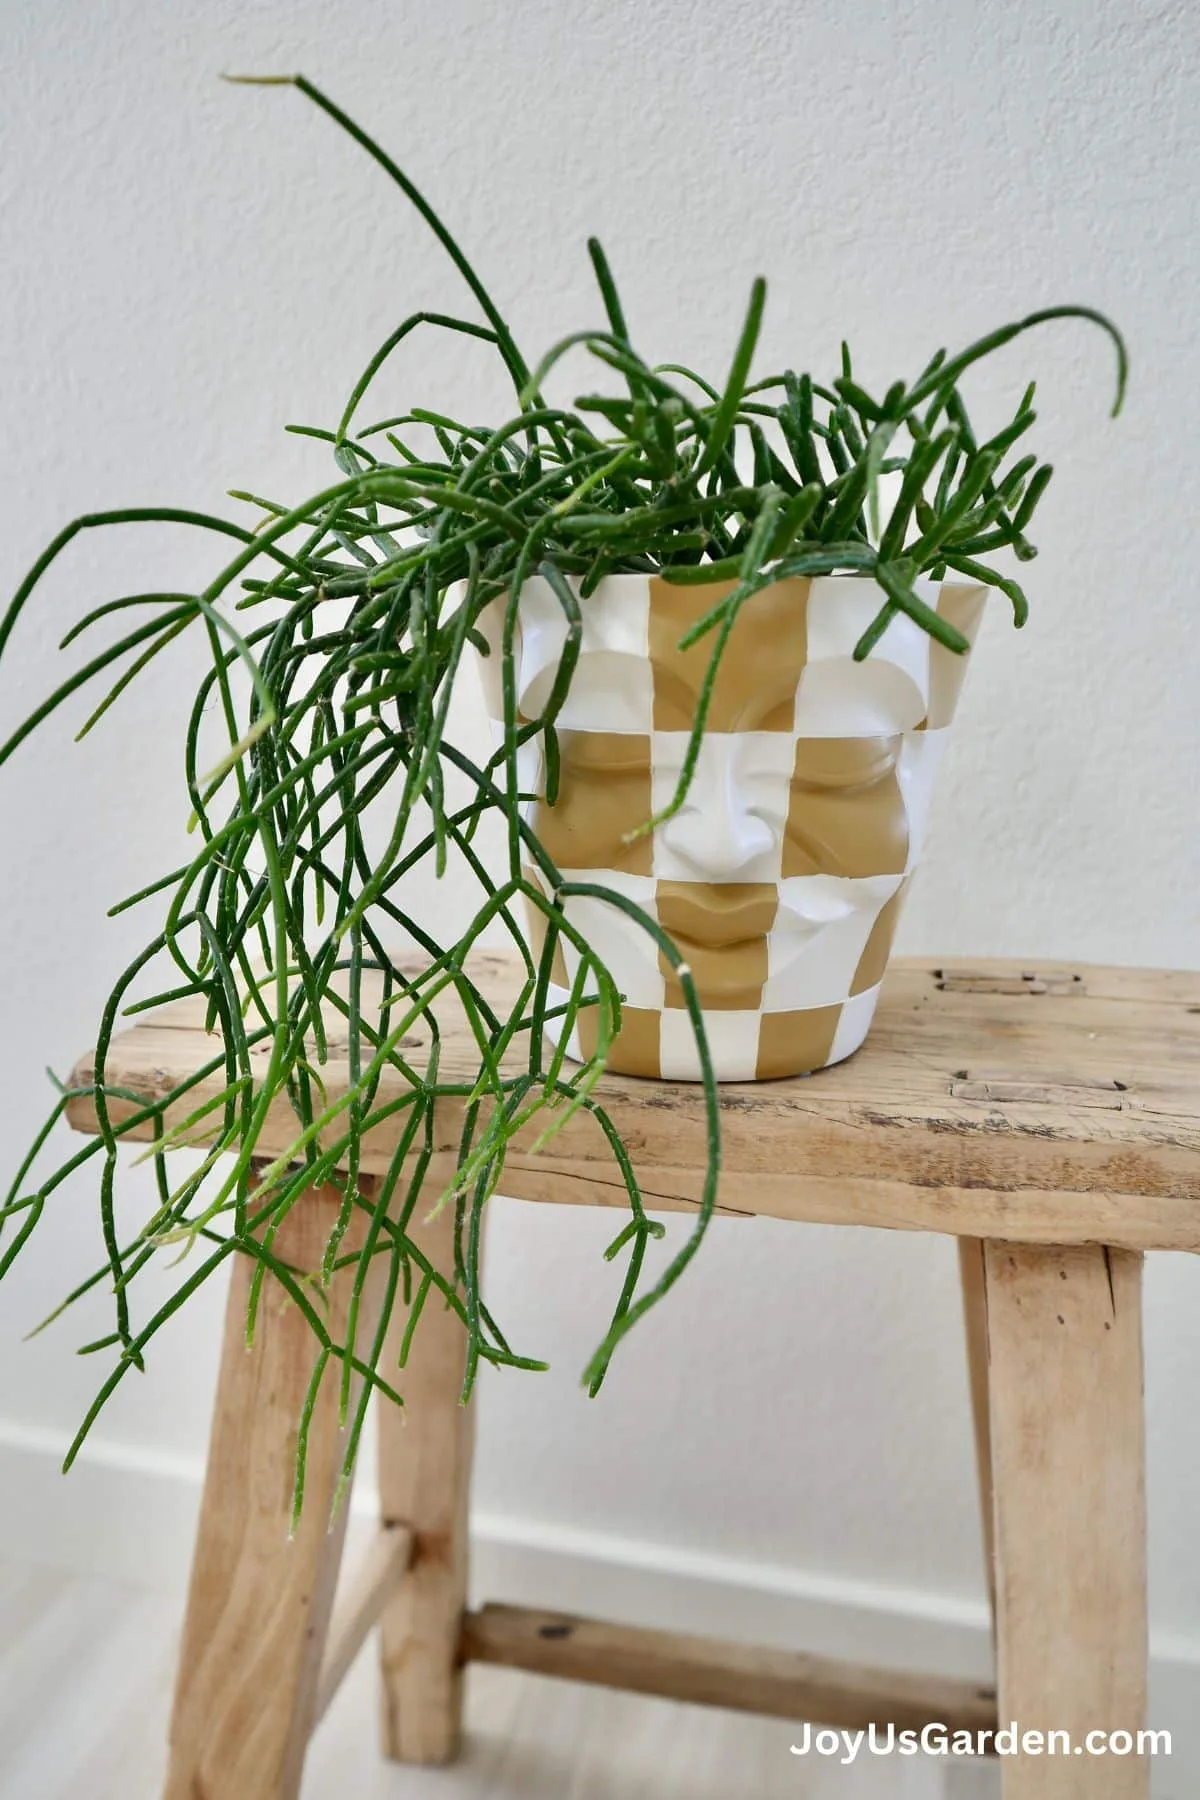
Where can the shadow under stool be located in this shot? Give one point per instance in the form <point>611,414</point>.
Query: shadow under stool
<point>1047,1118</point>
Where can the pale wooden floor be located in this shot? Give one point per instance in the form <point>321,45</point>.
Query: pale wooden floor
<point>85,1676</point>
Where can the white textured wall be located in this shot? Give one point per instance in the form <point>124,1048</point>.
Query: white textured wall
<point>188,266</point>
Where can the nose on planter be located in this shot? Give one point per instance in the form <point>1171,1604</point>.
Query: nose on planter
<point>719,834</point>
<point>780,877</point>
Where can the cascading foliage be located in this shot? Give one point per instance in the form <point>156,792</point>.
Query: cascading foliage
<point>354,610</point>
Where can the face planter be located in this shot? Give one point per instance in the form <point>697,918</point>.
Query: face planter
<point>782,877</point>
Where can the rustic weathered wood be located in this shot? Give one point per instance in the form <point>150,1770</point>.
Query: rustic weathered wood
<point>383,1568</point>
<point>1050,1105</point>
<point>1032,1216</point>
<point>1042,1115</point>
<point>259,1603</point>
<point>783,1683</point>
<point>1065,1389</point>
<point>424,1484</point>
<point>974,1298</point>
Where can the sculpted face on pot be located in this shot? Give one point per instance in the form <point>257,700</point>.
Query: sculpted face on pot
<point>781,878</point>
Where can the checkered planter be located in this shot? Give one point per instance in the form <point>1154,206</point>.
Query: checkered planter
<point>782,878</point>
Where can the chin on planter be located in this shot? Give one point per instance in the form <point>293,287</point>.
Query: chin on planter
<point>781,878</point>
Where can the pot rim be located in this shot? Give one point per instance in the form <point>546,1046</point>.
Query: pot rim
<point>622,576</point>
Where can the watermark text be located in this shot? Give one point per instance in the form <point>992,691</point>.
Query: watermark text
<point>1005,1740</point>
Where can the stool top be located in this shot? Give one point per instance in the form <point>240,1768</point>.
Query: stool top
<point>1044,1103</point>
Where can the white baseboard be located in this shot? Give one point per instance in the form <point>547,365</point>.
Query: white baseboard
<point>130,1515</point>
<point>127,1514</point>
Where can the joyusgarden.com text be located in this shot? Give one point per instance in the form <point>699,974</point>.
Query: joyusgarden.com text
<point>1006,1740</point>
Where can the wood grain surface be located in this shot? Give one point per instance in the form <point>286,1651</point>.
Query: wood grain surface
<point>1046,1103</point>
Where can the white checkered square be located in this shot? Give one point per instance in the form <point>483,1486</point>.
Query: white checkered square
<point>888,692</point>
<point>854,1024</point>
<point>613,685</point>
<point>730,827</point>
<point>820,933</point>
<point>628,953</point>
<point>920,758</point>
<point>732,1043</point>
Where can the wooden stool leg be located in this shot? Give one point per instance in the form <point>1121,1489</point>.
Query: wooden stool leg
<point>974,1298</point>
<point>259,1602</point>
<point>424,1483</point>
<point>1065,1389</point>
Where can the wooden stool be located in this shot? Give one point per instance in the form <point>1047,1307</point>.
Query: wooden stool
<point>1047,1120</point>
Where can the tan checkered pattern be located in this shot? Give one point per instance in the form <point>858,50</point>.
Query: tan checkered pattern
<point>780,882</point>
